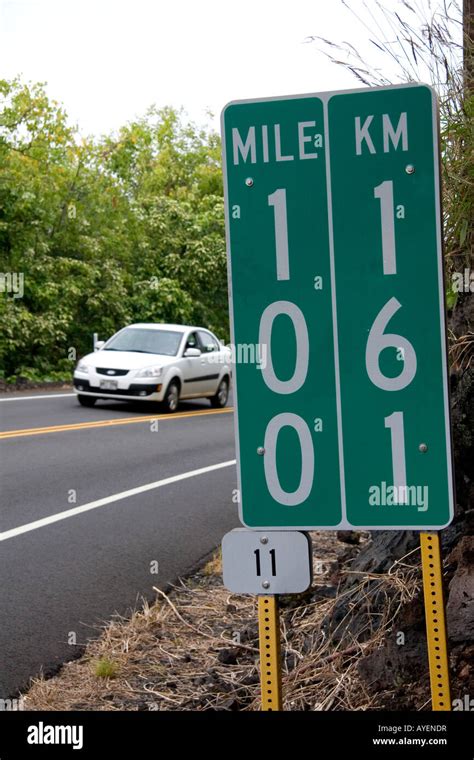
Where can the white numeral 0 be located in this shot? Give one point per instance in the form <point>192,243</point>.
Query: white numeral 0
<point>292,498</point>
<point>378,340</point>
<point>302,346</point>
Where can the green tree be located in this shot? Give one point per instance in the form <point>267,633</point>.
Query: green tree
<point>128,227</point>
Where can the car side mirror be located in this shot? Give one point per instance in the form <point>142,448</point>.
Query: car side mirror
<point>192,352</point>
<point>99,344</point>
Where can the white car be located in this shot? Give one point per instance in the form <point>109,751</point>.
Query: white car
<point>156,362</point>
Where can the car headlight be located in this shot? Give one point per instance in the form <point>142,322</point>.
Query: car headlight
<point>150,372</point>
<point>83,367</point>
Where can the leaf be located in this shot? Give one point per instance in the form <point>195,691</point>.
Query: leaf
<point>463,230</point>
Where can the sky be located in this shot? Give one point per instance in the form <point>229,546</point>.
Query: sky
<point>107,61</point>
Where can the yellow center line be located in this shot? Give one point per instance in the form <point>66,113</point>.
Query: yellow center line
<point>108,423</point>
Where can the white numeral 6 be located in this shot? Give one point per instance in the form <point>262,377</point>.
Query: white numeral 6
<point>378,340</point>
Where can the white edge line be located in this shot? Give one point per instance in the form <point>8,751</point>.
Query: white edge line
<point>30,398</point>
<point>109,500</point>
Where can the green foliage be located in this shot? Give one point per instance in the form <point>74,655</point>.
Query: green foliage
<point>105,668</point>
<point>126,228</point>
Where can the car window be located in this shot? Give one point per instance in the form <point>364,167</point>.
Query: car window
<point>146,341</point>
<point>207,341</point>
<point>192,341</point>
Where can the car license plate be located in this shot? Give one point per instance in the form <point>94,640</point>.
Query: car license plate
<point>108,385</point>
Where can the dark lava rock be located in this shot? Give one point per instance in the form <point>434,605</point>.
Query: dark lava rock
<point>348,536</point>
<point>251,679</point>
<point>231,704</point>
<point>227,656</point>
<point>392,664</point>
<point>323,592</point>
<point>460,606</point>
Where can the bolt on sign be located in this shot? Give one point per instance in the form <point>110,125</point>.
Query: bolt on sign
<point>336,275</point>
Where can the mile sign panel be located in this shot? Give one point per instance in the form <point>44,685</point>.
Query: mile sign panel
<point>337,310</point>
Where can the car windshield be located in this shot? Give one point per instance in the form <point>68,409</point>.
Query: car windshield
<point>141,340</point>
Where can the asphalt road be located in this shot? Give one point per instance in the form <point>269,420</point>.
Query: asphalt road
<point>74,549</point>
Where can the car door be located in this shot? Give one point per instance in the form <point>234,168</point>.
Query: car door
<point>195,369</point>
<point>210,349</point>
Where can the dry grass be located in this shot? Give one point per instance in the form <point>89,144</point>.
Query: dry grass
<point>461,351</point>
<point>196,648</point>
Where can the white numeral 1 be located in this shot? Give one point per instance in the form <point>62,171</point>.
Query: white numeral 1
<point>278,201</point>
<point>384,192</point>
<point>397,434</point>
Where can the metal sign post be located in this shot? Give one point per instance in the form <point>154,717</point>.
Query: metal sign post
<point>432,568</point>
<point>279,562</point>
<point>270,658</point>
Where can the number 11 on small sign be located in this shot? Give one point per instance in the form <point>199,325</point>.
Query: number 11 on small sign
<point>258,565</point>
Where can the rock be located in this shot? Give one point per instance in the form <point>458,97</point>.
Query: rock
<point>381,551</point>
<point>230,704</point>
<point>387,666</point>
<point>228,656</point>
<point>460,606</point>
<point>143,706</point>
<point>348,536</point>
<point>251,679</point>
<point>323,592</point>
<point>249,633</point>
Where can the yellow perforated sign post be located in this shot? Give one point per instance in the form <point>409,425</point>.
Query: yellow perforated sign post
<point>270,666</point>
<point>435,620</point>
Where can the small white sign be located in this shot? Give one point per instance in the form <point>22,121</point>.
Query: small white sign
<point>266,562</point>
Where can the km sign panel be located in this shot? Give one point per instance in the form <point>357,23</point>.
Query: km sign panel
<point>337,309</point>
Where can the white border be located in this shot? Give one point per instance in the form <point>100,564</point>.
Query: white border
<point>325,97</point>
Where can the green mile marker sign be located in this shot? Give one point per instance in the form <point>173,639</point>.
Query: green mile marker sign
<point>337,310</point>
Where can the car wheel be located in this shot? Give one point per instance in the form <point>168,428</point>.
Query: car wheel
<point>86,400</point>
<point>171,399</point>
<point>220,399</point>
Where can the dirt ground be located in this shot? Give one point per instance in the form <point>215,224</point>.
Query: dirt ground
<point>196,647</point>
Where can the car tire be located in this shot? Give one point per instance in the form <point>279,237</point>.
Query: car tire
<point>222,395</point>
<point>171,399</point>
<point>86,400</point>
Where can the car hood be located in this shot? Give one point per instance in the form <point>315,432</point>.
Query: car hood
<point>126,360</point>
